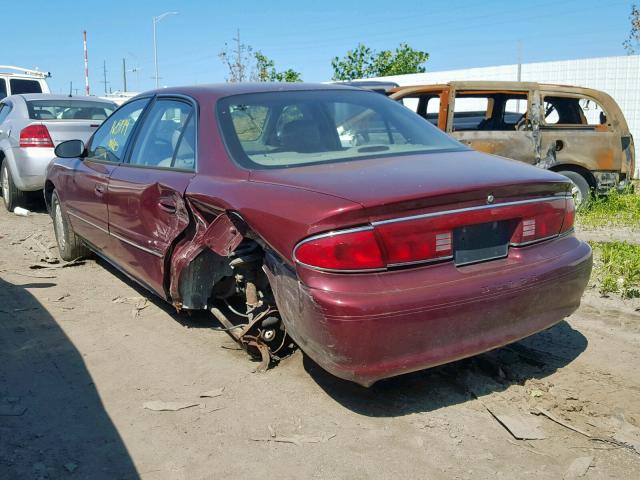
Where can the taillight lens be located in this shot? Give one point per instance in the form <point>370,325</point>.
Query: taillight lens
<point>35,136</point>
<point>539,221</point>
<point>348,250</point>
<point>569,216</point>
<point>415,241</point>
<point>430,237</point>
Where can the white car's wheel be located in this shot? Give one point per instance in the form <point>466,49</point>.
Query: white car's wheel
<point>10,194</point>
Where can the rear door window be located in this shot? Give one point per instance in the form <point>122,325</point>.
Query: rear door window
<point>499,111</point>
<point>167,137</point>
<point>19,86</point>
<point>110,140</point>
<point>564,110</point>
<point>4,111</point>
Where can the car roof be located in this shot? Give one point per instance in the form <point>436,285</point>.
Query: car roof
<point>48,96</point>
<point>228,89</point>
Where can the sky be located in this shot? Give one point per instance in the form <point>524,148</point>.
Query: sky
<point>301,35</point>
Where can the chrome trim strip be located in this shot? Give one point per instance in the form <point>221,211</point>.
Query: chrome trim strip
<point>70,212</point>
<point>467,209</point>
<point>530,242</point>
<point>421,262</point>
<point>136,245</point>
<point>473,262</point>
<point>129,242</point>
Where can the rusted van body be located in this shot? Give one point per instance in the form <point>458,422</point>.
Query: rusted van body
<point>579,132</point>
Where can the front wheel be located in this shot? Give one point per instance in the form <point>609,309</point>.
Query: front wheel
<point>69,244</point>
<point>580,188</point>
<point>11,195</point>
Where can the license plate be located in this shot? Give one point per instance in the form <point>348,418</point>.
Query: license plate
<point>482,242</point>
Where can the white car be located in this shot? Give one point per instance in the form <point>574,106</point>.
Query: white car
<point>31,125</point>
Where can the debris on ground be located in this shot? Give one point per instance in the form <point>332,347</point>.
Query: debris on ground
<point>522,427</point>
<point>21,212</point>
<point>72,263</point>
<point>140,305</point>
<point>628,434</point>
<point>160,406</point>
<point>578,468</point>
<point>296,439</point>
<point>216,392</point>
<point>553,418</point>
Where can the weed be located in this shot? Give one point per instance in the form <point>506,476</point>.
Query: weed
<point>617,268</point>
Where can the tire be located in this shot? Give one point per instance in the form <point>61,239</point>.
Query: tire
<point>12,196</point>
<point>69,244</point>
<point>580,189</point>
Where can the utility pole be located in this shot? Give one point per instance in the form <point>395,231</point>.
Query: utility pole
<point>519,60</point>
<point>86,63</point>
<point>155,42</point>
<point>124,75</point>
<point>104,75</point>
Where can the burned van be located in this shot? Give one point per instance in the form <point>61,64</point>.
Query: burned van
<point>578,132</point>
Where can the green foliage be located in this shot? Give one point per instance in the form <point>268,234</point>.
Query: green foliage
<point>244,64</point>
<point>363,62</point>
<point>617,268</point>
<point>632,42</point>
<point>266,71</point>
<point>614,209</point>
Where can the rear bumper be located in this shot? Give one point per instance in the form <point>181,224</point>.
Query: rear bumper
<point>367,327</point>
<point>30,167</point>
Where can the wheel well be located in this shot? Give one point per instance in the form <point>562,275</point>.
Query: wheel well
<point>588,176</point>
<point>48,192</point>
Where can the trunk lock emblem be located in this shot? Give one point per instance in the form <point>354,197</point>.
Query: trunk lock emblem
<point>490,199</point>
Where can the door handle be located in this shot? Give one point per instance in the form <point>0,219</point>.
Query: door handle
<point>168,205</point>
<point>99,189</point>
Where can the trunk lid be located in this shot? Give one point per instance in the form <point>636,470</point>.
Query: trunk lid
<point>63,130</point>
<point>412,183</point>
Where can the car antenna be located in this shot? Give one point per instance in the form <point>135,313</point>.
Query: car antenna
<point>70,88</point>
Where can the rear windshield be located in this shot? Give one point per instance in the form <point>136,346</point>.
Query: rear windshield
<point>19,86</point>
<point>295,128</point>
<point>69,109</point>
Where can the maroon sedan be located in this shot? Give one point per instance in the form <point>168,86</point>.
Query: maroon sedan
<point>325,213</point>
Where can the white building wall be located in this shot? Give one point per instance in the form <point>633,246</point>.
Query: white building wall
<point>618,76</point>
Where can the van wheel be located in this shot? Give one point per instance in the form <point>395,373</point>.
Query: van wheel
<point>11,195</point>
<point>580,188</point>
<point>69,244</point>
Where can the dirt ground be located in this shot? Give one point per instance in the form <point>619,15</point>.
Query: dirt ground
<point>82,350</point>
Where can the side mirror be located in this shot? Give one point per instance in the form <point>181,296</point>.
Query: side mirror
<point>70,149</point>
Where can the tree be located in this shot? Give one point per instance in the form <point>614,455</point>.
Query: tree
<point>362,62</point>
<point>266,71</point>
<point>245,65</point>
<point>632,42</point>
<point>238,61</point>
<point>357,63</point>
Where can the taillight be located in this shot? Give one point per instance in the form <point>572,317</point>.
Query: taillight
<point>569,215</point>
<point>355,249</point>
<point>431,237</point>
<point>540,221</point>
<point>35,136</point>
<point>415,241</point>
